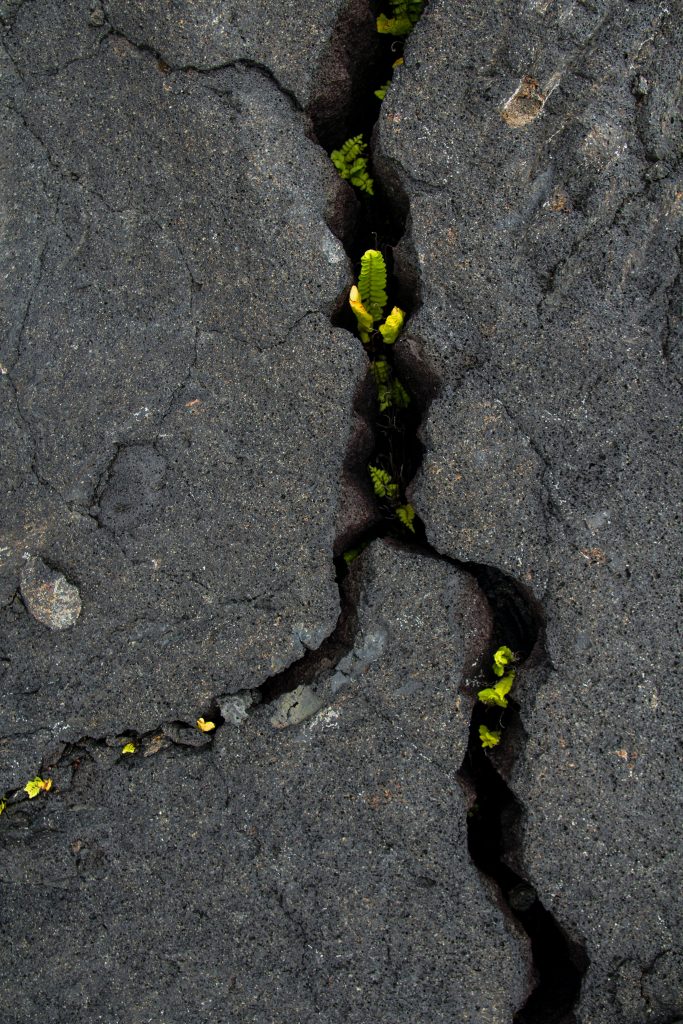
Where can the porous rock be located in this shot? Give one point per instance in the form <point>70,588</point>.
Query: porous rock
<point>177,406</point>
<point>539,148</point>
<point>314,873</point>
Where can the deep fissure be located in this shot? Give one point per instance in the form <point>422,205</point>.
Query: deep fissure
<point>493,822</point>
<point>494,818</point>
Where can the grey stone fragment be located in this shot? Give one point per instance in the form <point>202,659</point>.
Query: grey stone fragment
<point>317,873</point>
<point>547,254</point>
<point>235,708</point>
<point>295,707</point>
<point>49,596</point>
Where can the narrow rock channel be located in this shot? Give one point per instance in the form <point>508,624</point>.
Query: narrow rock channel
<point>380,223</point>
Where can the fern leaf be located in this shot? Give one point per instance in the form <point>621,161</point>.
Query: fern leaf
<point>406,513</point>
<point>384,397</point>
<point>372,283</point>
<point>399,395</point>
<point>382,91</point>
<point>394,26</point>
<point>362,180</point>
<point>352,164</point>
<point>381,371</point>
<point>391,328</point>
<point>363,318</point>
<point>383,485</point>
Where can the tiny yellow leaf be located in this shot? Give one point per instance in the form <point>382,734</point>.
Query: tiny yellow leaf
<point>3,805</point>
<point>128,748</point>
<point>46,785</point>
<point>488,737</point>
<point>36,785</point>
<point>204,726</point>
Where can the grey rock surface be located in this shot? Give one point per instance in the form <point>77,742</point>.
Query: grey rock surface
<point>185,441</point>
<point>539,146</point>
<point>176,405</point>
<point>313,873</point>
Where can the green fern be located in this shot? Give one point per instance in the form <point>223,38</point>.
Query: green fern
<point>383,485</point>
<point>405,15</point>
<point>372,283</point>
<point>399,395</point>
<point>352,164</point>
<point>369,297</point>
<point>406,513</point>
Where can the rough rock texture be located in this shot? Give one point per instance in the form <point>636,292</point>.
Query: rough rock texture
<point>175,403</point>
<point>312,873</point>
<point>539,145</point>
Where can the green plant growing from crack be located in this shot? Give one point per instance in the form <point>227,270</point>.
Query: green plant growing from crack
<point>352,163</point>
<point>496,695</point>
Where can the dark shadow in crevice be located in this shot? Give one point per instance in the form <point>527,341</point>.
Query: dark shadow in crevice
<point>493,828</point>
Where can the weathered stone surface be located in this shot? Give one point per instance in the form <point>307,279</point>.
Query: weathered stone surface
<point>49,596</point>
<point>177,405</point>
<point>313,873</point>
<point>546,227</point>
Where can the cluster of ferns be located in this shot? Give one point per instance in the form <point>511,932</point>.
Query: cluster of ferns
<point>368,298</point>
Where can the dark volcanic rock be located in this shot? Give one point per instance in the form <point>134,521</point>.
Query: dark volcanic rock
<point>315,873</point>
<point>177,406</point>
<point>539,146</point>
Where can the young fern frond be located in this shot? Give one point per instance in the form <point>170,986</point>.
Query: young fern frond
<point>488,737</point>
<point>391,328</point>
<point>352,163</point>
<point>372,283</point>
<point>501,659</point>
<point>497,694</point>
<point>363,318</point>
<point>382,484</point>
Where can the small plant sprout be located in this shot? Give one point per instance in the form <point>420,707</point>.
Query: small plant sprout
<point>352,164</point>
<point>406,514</point>
<point>128,748</point>
<point>488,738</point>
<point>383,485</point>
<point>3,805</point>
<point>205,726</point>
<point>405,14</point>
<point>35,786</point>
<point>501,659</point>
<point>497,694</point>
<point>368,300</point>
